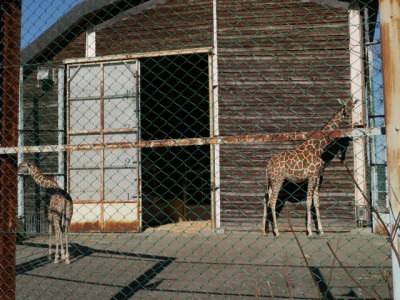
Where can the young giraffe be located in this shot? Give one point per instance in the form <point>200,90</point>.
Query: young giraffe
<point>58,208</point>
<point>301,164</point>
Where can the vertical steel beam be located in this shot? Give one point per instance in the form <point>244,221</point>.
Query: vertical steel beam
<point>61,126</point>
<point>214,126</point>
<point>357,94</point>
<point>10,34</point>
<point>390,39</point>
<point>21,142</point>
<point>36,140</point>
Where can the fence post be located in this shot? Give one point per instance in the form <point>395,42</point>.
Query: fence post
<point>10,28</point>
<point>390,38</point>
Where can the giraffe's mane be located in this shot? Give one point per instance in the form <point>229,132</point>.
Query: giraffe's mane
<point>37,170</point>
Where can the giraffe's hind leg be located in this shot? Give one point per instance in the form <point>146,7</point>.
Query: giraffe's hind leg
<point>58,237</point>
<point>313,198</point>
<point>62,250</point>
<point>265,215</point>
<point>273,198</point>
<point>64,232</point>
<point>67,261</point>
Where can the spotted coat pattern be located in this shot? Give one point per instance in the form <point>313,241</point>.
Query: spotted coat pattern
<point>58,208</point>
<point>299,165</point>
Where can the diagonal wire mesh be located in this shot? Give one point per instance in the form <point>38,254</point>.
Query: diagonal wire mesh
<point>159,120</point>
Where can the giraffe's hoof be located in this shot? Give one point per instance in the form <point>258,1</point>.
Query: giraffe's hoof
<point>321,233</point>
<point>56,261</point>
<point>67,261</point>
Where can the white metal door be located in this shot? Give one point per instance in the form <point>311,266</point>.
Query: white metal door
<point>103,107</point>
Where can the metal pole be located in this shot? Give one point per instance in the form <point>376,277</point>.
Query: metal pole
<point>61,125</point>
<point>357,80</point>
<point>10,28</point>
<point>21,142</point>
<point>214,127</point>
<point>36,139</point>
<point>390,38</point>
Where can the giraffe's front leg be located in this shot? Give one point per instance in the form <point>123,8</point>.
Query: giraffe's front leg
<point>309,231</point>
<point>310,195</point>
<point>273,198</point>
<point>316,206</point>
<point>58,233</point>
<point>272,207</point>
<point>275,224</point>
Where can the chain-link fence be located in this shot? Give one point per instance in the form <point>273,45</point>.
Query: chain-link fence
<point>143,131</point>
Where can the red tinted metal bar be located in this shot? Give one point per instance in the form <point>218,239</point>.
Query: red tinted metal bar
<point>222,140</point>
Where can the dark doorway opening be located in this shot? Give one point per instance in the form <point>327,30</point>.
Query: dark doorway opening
<point>175,104</point>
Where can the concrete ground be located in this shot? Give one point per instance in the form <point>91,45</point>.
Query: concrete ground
<point>160,264</point>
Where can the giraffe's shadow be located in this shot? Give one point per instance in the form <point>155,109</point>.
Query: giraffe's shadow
<point>294,193</point>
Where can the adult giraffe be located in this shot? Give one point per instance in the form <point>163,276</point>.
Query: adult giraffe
<point>58,208</point>
<point>301,164</point>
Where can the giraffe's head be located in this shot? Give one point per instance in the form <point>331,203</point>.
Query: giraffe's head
<point>23,167</point>
<point>344,112</point>
<point>347,107</point>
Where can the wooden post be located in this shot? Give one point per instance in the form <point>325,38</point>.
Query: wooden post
<point>10,33</point>
<point>390,39</point>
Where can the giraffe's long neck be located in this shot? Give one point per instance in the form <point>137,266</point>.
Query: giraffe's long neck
<point>40,179</point>
<point>317,146</point>
<point>334,122</point>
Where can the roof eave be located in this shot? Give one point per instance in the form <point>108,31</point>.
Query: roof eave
<point>71,24</point>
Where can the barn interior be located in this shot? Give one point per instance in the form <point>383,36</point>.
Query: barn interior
<point>174,96</point>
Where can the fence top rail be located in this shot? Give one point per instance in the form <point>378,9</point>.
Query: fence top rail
<point>243,139</point>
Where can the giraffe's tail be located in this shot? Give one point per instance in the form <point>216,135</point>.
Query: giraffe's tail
<point>68,212</point>
<point>268,187</point>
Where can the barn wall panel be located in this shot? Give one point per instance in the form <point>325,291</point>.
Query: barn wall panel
<point>281,67</point>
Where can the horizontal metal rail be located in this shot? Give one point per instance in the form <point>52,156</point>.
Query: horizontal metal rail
<point>120,57</point>
<point>223,140</point>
